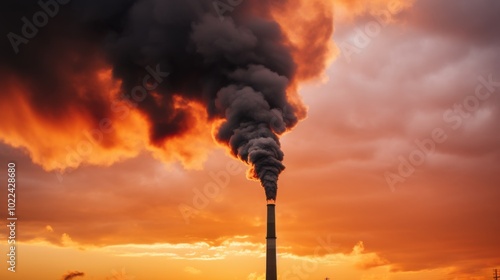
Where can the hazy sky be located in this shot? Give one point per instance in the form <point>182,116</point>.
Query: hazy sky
<point>394,173</point>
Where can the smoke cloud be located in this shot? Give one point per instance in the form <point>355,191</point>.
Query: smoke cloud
<point>165,60</point>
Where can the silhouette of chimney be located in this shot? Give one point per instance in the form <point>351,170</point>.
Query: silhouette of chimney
<point>271,269</point>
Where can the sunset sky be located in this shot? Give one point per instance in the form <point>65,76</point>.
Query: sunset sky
<point>393,174</point>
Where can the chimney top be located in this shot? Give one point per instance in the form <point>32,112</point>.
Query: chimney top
<point>271,201</point>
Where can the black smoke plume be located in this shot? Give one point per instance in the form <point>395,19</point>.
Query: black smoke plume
<point>232,58</point>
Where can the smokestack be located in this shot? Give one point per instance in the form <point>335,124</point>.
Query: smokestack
<point>271,269</point>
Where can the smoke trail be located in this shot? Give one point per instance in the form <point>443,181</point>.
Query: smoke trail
<point>239,68</point>
<point>72,274</point>
<point>253,102</point>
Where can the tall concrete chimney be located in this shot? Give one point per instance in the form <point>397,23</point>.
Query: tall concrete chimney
<point>271,270</point>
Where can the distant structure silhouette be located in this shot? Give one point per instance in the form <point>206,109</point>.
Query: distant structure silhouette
<point>495,274</point>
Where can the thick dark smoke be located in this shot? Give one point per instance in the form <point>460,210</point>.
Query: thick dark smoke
<point>238,65</point>
<point>72,274</point>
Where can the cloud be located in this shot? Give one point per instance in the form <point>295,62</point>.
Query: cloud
<point>192,270</point>
<point>367,261</point>
<point>72,274</point>
<point>256,276</point>
<point>228,247</point>
<point>66,241</point>
<point>120,275</point>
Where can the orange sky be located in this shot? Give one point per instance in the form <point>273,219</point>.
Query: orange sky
<point>392,175</point>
